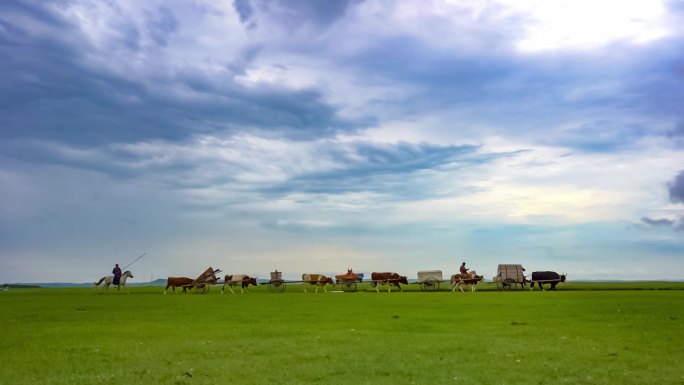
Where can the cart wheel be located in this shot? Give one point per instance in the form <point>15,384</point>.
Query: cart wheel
<point>201,289</point>
<point>509,283</point>
<point>349,286</point>
<point>276,286</point>
<point>431,284</point>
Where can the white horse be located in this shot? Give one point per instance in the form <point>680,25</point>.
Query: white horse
<point>108,280</point>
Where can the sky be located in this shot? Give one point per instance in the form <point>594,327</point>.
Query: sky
<point>314,136</point>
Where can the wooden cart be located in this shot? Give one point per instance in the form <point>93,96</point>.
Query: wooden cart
<point>429,280</point>
<point>509,276</point>
<point>276,284</point>
<point>201,284</point>
<point>349,280</point>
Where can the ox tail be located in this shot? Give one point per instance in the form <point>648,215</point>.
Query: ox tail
<point>100,281</point>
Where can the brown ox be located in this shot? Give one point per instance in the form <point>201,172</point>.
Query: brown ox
<point>350,276</point>
<point>388,279</point>
<point>173,282</point>
<point>317,280</point>
<point>238,279</point>
<point>458,280</point>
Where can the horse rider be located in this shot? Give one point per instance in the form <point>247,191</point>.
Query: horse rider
<point>117,274</point>
<point>464,271</point>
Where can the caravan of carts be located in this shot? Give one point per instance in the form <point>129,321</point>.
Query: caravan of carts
<point>508,277</point>
<point>347,281</point>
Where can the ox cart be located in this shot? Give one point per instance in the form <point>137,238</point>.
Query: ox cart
<point>351,285</point>
<point>387,278</point>
<point>201,284</point>
<point>348,281</point>
<point>509,276</point>
<point>429,280</point>
<point>276,284</point>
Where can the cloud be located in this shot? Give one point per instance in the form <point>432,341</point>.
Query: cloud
<point>474,77</point>
<point>132,74</point>
<point>294,15</point>
<point>246,13</point>
<point>397,171</point>
<point>271,166</point>
<point>664,222</point>
<point>601,136</point>
<point>161,24</point>
<point>676,188</point>
<point>297,226</point>
<point>676,192</point>
<point>677,224</point>
<point>553,27</point>
<point>397,127</point>
<point>103,83</point>
<point>678,131</point>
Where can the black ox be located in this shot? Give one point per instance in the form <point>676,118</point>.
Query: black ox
<point>550,277</point>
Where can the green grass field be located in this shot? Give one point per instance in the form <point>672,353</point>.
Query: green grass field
<point>627,333</point>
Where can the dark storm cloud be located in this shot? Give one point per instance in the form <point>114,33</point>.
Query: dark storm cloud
<point>677,134</point>
<point>658,222</point>
<point>676,188</point>
<point>293,14</point>
<point>678,131</point>
<point>676,192</point>
<point>161,23</point>
<point>677,224</point>
<point>245,12</point>
<point>51,93</point>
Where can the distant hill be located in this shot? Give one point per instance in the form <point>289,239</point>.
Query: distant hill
<point>45,284</point>
<point>6,286</point>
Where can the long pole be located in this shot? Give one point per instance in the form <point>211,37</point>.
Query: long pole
<point>136,260</point>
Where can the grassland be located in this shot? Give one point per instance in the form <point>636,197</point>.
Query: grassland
<point>582,334</point>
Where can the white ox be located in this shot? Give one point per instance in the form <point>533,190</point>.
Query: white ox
<point>317,280</point>
<point>238,279</point>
